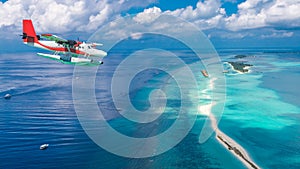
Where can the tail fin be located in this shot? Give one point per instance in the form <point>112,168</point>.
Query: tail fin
<point>29,34</point>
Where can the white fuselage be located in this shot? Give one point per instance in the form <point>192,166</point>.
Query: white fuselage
<point>84,49</point>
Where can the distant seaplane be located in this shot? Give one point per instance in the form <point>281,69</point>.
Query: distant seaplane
<point>65,51</point>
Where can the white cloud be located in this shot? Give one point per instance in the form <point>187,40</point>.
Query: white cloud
<point>204,10</point>
<point>47,14</point>
<point>245,21</point>
<point>148,15</point>
<point>265,13</point>
<point>207,14</point>
<point>136,36</point>
<point>57,17</point>
<point>252,14</point>
<point>249,16</point>
<point>62,15</point>
<point>209,9</point>
<point>278,34</point>
<point>9,11</point>
<point>251,4</point>
<point>284,13</point>
<point>230,35</point>
<point>96,20</point>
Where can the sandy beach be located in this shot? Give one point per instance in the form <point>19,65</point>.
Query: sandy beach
<point>231,145</point>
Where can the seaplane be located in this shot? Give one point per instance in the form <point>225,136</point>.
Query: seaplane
<point>65,51</point>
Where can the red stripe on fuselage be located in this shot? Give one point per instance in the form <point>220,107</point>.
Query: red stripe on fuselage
<point>46,34</point>
<point>62,49</point>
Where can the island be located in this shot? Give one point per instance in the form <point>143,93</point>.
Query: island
<point>240,56</point>
<point>240,66</point>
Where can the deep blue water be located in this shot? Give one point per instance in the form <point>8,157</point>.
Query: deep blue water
<point>261,113</point>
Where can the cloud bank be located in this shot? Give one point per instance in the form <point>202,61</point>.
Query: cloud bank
<point>67,16</point>
<point>63,15</point>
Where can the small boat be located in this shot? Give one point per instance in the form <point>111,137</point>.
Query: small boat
<point>204,73</point>
<point>7,96</point>
<point>44,146</point>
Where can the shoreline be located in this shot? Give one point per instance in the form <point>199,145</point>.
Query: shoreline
<point>236,149</point>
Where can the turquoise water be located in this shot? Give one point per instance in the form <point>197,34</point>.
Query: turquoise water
<point>262,114</point>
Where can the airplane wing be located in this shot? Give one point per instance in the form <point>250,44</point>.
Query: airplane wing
<point>53,38</point>
<point>59,40</point>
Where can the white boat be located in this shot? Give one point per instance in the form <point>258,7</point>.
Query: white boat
<point>7,96</point>
<point>44,146</point>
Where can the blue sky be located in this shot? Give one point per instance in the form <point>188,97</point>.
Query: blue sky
<point>228,23</point>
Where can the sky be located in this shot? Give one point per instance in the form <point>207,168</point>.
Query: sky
<point>228,23</point>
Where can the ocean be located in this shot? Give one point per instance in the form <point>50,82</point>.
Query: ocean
<point>261,113</point>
